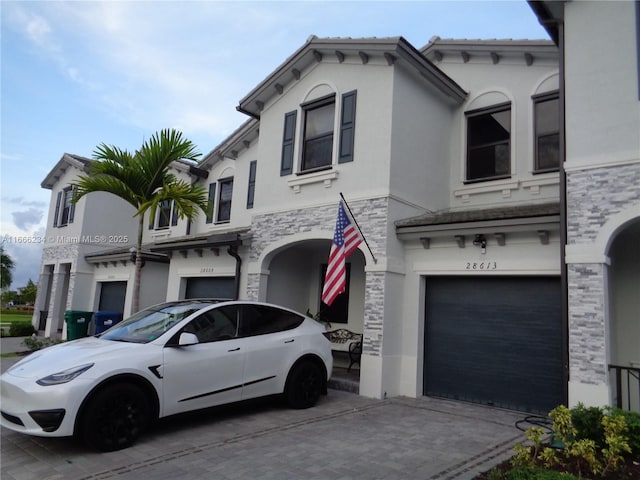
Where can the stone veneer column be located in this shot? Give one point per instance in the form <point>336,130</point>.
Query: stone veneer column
<point>594,196</point>
<point>58,301</point>
<point>587,334</point>
<point>41,296</point>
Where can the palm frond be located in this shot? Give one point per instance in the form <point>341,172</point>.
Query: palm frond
<point>188,199</point>
<point>105,183</point>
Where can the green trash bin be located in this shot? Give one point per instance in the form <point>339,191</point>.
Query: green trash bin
<point>77,323</point>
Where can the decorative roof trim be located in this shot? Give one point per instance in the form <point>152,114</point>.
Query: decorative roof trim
<point>67,160</point>
<point>316,50</point>
<point>231,146</point>
<point>495,50</point>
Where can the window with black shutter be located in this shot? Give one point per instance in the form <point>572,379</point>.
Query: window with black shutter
<point>347,127</point>
<point>317,149</point>
<point>286,166</point>
<point>57,212</point>
<point>225,193</point>
<point>210,202</point>
<point>251,190</point>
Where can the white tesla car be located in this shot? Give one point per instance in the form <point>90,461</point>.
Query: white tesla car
<point>170,358</point>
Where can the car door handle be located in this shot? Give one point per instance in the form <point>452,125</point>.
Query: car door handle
<point>290,341</point>
<point>234,349</point>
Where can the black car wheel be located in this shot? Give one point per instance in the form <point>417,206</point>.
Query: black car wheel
<point>115,416</point>
<point>304,385</point>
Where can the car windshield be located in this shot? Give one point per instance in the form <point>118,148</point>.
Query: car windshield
<point>147,325</point>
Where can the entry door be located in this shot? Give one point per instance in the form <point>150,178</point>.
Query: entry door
<point>495,341</point>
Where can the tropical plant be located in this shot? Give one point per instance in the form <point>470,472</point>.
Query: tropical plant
<point>143,179</point>
<point>28,292</point>
<point>595,441</point>
<point>6,269</point>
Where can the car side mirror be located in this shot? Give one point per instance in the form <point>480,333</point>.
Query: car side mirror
<point>187,339</point>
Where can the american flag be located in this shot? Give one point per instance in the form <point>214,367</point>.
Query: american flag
<point>345,240</point>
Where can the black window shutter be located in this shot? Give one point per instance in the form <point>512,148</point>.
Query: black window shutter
<point>286,167</point>
<point>174,215</point>
<point>347,127</point>
<point>57,212</point>
<point>72,207</point>
<point>211,198</point>
<point>252,183</point>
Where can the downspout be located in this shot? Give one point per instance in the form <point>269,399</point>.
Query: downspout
<point>233,251</point>
<point>563,219</point>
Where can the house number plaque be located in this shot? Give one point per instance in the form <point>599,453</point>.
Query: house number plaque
<point>481,266</point>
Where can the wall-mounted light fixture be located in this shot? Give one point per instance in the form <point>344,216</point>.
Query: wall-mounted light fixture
<point>481,242</point>
<point>133,255</point>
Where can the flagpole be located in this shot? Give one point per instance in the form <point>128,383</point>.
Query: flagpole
<point>358,226</point>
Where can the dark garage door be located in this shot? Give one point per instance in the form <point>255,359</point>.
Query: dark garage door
<point>112,296</point>
<point>210,287</point>
<point>495,341</point>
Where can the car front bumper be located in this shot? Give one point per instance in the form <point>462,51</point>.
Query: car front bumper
<point>50,411</point>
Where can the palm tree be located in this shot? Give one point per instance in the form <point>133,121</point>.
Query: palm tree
<point>143,180</point>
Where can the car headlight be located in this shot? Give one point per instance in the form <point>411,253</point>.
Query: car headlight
<point>64,376</point>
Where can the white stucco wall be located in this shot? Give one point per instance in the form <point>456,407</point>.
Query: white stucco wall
<point>366,175</point>
<point>420,150</point>
<point>488,84</point>
<point>603,111</point>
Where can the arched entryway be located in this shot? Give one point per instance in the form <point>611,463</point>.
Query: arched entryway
<point>624,314</point>
<point>295,280</point>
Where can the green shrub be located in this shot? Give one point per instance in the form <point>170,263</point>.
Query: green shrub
<point>21,330</point>
<point>530,473</point>
<point>34,343</point>
<point>632,420</point>
<point>588,424</point>
<point>596,444</point>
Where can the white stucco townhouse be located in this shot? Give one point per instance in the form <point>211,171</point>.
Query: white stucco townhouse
<point>450,158</point>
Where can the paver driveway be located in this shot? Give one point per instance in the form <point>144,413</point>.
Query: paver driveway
<point>344,437</point>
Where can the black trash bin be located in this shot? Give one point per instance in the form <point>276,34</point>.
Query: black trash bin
<point>104,320</point>
<point>77,323</point>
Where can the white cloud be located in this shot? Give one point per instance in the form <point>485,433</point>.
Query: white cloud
<point>23,202</point>
<point>9,157</point>
<point>39,31</point>
<point>26,219</point>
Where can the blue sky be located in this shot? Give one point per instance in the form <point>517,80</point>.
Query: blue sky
<point>76,74</point>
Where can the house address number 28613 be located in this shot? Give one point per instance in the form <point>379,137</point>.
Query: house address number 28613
<point>482,266</point>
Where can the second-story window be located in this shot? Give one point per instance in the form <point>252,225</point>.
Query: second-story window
<point>489,143</point>
<point>65,209</point>
<point>318,134</point>
<point>316,148</point>
<point>166,214</point>
<point>225,192</point>
<point>547,132</point>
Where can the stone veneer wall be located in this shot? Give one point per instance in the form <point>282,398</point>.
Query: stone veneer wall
<point>372,217</point>
<point>587,331</point>
<point>593,196</point>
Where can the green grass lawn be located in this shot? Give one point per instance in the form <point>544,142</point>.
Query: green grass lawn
<point>7,318</point>
<point>9,321</point>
